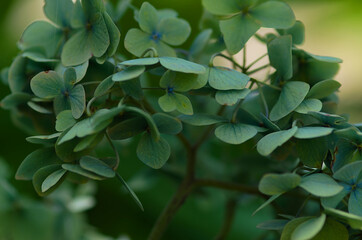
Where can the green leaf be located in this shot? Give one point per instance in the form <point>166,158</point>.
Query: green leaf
<point>17,75</point>
<point>351,134</point>
<point>332,230</point>
<point>130,191</point>
<point>148,17</point>
<point>52,180</point>
<point>59,11</point>
<point>291,226</point>
<point>231,97</point>
<point>88,142</point>
<point>114,35</point>
<point>174,31</point>
<point>325,58</point>
<point>167,124</point>
<point>181,65</point>
<point>323,89</point>
<point>201,119</point>
<point>137,42</point>
<point>237,30</point>
<point>274,14</point>
<point>320,185</point>
<point>280,56</point>
<point>79,170</point>
<point>293,94</point>
<point>129,73</point>
<point>77,101</point>
<point>96,166</point>
<point>273,184</point>
<point>104,86</point>
<point>266,203</point>
<point>349,173</point>
<point>34,161</point>
<point>43,139</point>
<point>43,35</point>
<point>226,7</point>
<point>38,108</point>
<point>46,85</point>
<point>227,79</point>
<point>235,133</point>
<point>269,124</point>
<point>309,228</point>
<point>64,121</point>
<point>41,175</point>
<point>273,140</point>
<point>309,105</point>
<point>200,43</point>
<point>176,101</point>
<point>313,132</point>
<point>353,220</point>
<point>329,119</point>
<point>153,153</point>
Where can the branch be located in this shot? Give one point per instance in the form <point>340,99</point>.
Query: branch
<point>229,217</point>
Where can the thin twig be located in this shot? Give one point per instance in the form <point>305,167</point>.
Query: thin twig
<point>258,69</point>
<point>230,209</point>
<point>115,151</point>
<point>256,61</point>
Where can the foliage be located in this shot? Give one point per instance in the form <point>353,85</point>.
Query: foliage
<point>76,88</point>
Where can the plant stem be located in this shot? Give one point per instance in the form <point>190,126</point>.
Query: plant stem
<point>228,186</point>
<point>258,69</point>
<point>115,151</point>
<point>229,217</point>
<point>265,84</point>
<point>256,61</point>
<point>231,60</point>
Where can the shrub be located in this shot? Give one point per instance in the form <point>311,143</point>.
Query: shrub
<point>76,90</point>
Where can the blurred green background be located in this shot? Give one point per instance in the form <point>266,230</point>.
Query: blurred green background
<point>332,28</point>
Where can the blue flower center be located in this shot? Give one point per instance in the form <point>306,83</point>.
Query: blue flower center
<point>155,36</point>
<point>169,90</point>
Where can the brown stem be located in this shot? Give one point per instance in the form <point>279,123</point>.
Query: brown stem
<point>229,217</point>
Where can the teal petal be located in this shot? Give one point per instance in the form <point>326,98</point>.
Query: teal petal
<point>174,31</point>
<point>148,18</point>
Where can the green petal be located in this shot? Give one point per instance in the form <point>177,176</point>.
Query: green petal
<point>353,220</point>
<point>313,132</point>
<point>52,180</point>
<point>104,86</point>
<point>96,166</point>
<point>175,101</point>
<point>274,14</point>
<point>153,153</point>
<point>41,175</point>
<point>43,35</point>
<point>332,230</point>
<point>64,121</point>
<point>280,55</point>
<point>17,74</point>
<point>167,103</point>
<point>14,100</point>
<point>355,202</point>
<point>174,31</point>
<point>181,82</point>
<point>273,184</point>
<point>323,89</point>
<point>222,78</point>
<point>98,36</point>
<point>336,199</point>
<point>114,35</point>
<point>271,141</point>
<point>43,139</point>
<point>80,70</point>
<point>201,119</point>
<point>77,49</point>
<point>148,18</point>
<point>34,161</point>
<point>167,124</point>
<point>309,228</point>
<point>129,73</point>
<point>47,85</point>
<point>349,173</point>
<point>141,62</point>
<point>137,42</point>
<point>297,32</point>
<point>320,185</point>
<point>59,11</point>
<point>291,226</point>
<point>61,103</point>
<point>237,31</point>
<point>235,133</point>
<point>77,101</point>
<point>79,170</point>
<point>293,94</point>
<point>181,65</point>
<point>309,105</point>
<point>224,7</point>
<point>231,97</point>
<point>70,77</point>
